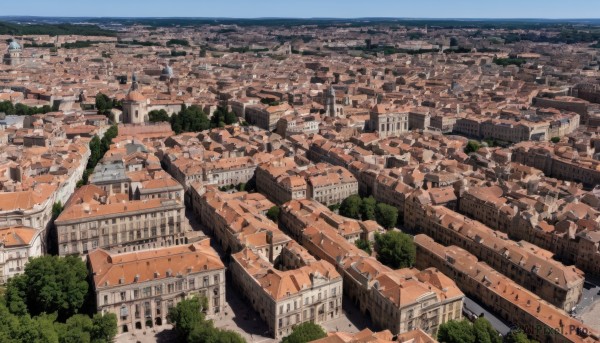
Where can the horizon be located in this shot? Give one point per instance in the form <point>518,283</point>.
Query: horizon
<point>308,9</point>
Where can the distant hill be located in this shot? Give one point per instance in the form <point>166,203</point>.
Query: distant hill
<point>14,29</point>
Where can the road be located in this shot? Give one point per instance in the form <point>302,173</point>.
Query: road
<point>497,323</point>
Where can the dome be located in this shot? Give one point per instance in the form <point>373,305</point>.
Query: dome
<point>14,45</point>
<point>135,96</point>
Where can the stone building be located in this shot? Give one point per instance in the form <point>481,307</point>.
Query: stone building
<point>388,123</point>
<point>284,299</point>
<point>237,221</point>
<point>397,300</point>
<point>92,222</point>
<point>135,105</point>
<point>13,54</point>
<point>538,318</point>
<point>140,287</point>
<point>17,245</point>
<point>523,262</point>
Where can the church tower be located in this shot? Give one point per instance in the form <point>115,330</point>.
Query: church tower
<point>13,55</point>
<point>331,107</point>
<point>135,105</point>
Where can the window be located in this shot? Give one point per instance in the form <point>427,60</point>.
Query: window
<point>192,283</point>
<point>105,299</point>
<point>122,296</point>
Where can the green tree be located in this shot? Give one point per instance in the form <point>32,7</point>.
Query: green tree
<point>95,152</point>
<point>517,336</point>
<point>7,107</point>
<point>386,215</point>
<point>76,329</point>
<point>364,245</point>
<point>305,332</point>
<point>555,140</point>
<point>103,103</point>
<point>367,208</point>
<point>158,116</point>
<point>273,213</point>
<point>472,146</point>
<point>395,249</point>
<point>230,118</point>
<point>456,332</point>
<point>50,284</point>
<point>351,206</point>
<point>104,328</point>
<point>485,332</point>
<point>57,209</point>
<point>186,316</point>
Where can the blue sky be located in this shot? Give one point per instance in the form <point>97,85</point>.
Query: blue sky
<point>308,8</point>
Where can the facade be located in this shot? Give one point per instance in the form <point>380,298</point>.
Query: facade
<point>238,221</point>
<point>284,180</point>
<point>397,300</point>
<point>266,117</point>
<point>284,299</point>
<point>538,318</point>
<point>122,226</point>
<point>135,106</point>
<point>140,287</point>
<point>388,123</point>
<point>523,262</point>
<point>17,245</point>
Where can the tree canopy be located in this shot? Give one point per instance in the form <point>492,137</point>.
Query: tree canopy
<point>351,206</point>
<point>273,213</point>
<point>158,116</point>
<point>367,208</point>
<point>221,117</point>
<point>364,245</point>
<point>472,146</point>
<point>395,249</point>
<point>190,119</point>
<point>9,108</point>
<point>305,332</point>
<point>517,336</point>
<point>191,325</point>
<point>463,331</point>
<point>46,304</point>
<point>386,215</point>
<point>104,104</point>
<point>49,284</point>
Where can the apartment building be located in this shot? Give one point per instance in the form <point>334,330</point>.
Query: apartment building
<point>284,299</point>
<point>280,182</point>
<point>523,262</point>
<point>93,220</point>
<point>397,300</point>
<point>266,117</point>
<point>237,220</point>
<point>539,319</point>
<point>561,162</point>
<point>330,185</point>
<point>297,215</point>
<point>140,287</point>
<point>17,245</point>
